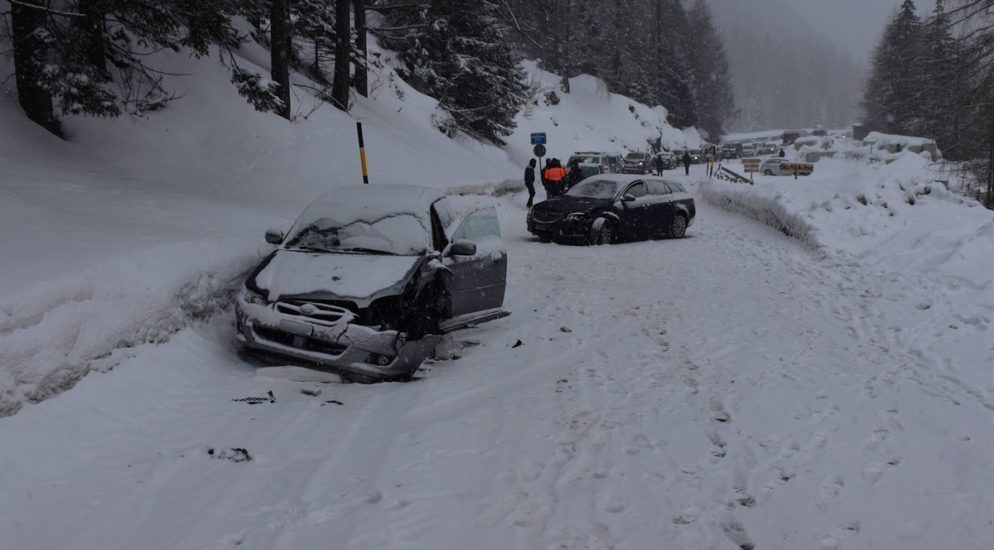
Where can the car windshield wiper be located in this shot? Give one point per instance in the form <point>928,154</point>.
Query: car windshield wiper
<point>311,249</point>
<point>366,251</point>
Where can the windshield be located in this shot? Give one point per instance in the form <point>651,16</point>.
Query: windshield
<point>635,156</point>
<point>392,233</point>
<point>595,189</point>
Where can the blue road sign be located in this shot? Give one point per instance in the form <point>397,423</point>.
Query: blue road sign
<point>538,138</point>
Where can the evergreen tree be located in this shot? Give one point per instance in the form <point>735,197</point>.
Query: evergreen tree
<point>942,84</point>
<point>460,56</point>
<point>712,79</point>
<point>892,97</point>
<point>672,75</point>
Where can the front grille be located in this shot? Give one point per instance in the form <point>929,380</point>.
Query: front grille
<point>314,312</point>
<point>542,216</point>
<point>300,342</point>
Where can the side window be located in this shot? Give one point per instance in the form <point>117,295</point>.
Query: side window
<point>478,226</point>
<point>676,187</point>
<point>658,188</point>
<point>636,190</point>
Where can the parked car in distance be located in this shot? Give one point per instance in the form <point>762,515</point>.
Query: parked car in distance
<point>749,151</point>
<point>600,159</point>
<point>637,163</point>
<point>367,277</point>
<point>610,208</point>
<point>615,163</point>
<point>767,149</point>
<point>731,151</point>
<point>697,156</point>
<point>669,160</point>
<point>782,167</point>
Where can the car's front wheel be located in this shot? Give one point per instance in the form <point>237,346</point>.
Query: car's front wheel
<point>432,306</point>
<point>768,172</point>
<point>601,232</point>
<point>678,227</point>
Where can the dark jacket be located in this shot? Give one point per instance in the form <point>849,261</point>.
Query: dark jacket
<point>686,158</point>
<point>529,175</point>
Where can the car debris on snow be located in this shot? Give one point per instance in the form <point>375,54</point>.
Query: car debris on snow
<point>257,400</point>
<point>235,454</point>
<point>313,390</point>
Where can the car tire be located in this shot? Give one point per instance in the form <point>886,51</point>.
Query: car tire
<point>678,227</point>
<point>601,232</point>
<point>768,172</point>
<point>432,306</point>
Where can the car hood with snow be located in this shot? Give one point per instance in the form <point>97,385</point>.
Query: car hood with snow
<point>359,278</point>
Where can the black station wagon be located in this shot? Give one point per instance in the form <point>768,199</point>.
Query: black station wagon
<point>609,208</point>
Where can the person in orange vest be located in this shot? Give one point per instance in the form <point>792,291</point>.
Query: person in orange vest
<point>553,177</point>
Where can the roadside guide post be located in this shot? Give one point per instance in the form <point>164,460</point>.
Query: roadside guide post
<point>362,154</point>
<point>751,165</point>
<point>538,140</point>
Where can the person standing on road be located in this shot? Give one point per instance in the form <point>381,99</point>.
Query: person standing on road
<point>657,161</point>
<point>711,160</point>
<point>553,178</point>
<point>686,161</point>
<point>781,154</point>
<point>530,181</point>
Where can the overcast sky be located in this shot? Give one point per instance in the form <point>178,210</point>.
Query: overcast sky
<point>854,25</point>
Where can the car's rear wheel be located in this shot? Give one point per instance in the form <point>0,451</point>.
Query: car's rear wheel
<point>601,232</point>
<point>768,172</point>
<point>678,228</point>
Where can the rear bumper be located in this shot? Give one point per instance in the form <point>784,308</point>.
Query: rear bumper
<point>343,348</point>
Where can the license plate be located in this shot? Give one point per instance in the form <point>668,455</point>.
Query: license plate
<point>293,327</point>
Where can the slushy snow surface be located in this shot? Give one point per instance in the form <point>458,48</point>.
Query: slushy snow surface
<point>810,368</point>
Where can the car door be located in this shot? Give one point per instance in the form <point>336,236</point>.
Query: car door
<point>479,281</point>
<point>636,215</point>
<point>661,213</point>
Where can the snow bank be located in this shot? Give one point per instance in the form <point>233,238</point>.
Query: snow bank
<point>895,215</point>
<point>589,118</point>
<point>132,229</point>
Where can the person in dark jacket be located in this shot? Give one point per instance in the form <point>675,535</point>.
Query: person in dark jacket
<point>658,163</point>
<point>530,181</point>
<point>781,154</point>
<point>574,175</point>
<point>686,161</point>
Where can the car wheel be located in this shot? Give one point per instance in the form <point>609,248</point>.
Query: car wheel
<point>433,306</point>
<point>678,228</point>
<point>768,172</point>
<point>601,232</point>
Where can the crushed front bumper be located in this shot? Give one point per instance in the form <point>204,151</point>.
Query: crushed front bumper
<point>341,346</point>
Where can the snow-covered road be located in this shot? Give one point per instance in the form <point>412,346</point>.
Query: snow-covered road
<point>728,390</point>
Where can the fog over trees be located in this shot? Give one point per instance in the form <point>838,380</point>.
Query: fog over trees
<point>784,73</point>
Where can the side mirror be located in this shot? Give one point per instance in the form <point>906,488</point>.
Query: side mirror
<point>274,236</point>
<point>627,197</point>
<point>462,248</point>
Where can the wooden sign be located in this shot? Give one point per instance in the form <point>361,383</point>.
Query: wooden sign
<point>751,164</point>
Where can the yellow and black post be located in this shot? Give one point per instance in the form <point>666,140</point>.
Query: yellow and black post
<point>362,154</point>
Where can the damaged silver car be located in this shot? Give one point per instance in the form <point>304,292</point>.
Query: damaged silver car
<point>369,276</point>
